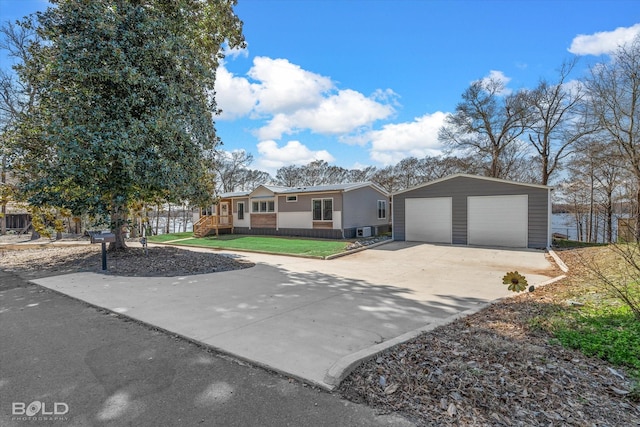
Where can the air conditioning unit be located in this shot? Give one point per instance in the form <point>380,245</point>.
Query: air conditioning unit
<point>363,232</point>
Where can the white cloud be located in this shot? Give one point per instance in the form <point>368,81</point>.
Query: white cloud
<point>294,152</point>
<point>603,42</point>
<point>394,142</point>
<point>285,87</point>
<point>234,95</point>
<point>341,113</point>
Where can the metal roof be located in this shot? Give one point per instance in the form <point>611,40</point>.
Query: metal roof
<point>307,189</point>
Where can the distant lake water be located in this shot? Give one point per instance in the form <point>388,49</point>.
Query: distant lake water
<point>565,223</point>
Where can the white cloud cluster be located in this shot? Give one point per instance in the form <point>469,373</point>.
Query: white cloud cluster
<point>604,42</point>
<point>337,114</point>
<point>293,152</point>
<point>418,138</point>
<point>291,99</point>
<point>285,88</point>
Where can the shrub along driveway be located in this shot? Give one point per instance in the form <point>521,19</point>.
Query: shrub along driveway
<point>310,318</point>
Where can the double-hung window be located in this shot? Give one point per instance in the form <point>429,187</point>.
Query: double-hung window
<point>322,209</point>
<point>382,209</point>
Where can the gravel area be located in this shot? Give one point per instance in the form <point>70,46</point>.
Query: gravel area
<point>74,255</point>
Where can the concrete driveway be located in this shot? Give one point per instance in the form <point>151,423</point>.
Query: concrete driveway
<point>314,319</point>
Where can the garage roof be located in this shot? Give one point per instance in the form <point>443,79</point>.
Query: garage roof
<point>464,175</point>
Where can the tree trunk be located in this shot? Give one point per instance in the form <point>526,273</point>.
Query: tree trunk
<point>610,223</point>
<point>157,218</point>
<point>3,181</point>
<point>168,219</point>
<point>637,210</point>
<point>3,219</point>
<point>545,170</point>
<point>118,220</point>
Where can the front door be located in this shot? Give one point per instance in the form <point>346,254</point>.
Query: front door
<point>224,212</point>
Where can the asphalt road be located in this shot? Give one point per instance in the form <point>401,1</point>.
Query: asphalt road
<point>70,364</point>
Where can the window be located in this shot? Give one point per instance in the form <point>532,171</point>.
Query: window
<point>240,210</point>
<point>382,209</point>
<point>322,209</point>
<point>263,206</point>
<point>292,198</point>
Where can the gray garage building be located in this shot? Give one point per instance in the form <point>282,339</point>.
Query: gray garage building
<point>474,210</point>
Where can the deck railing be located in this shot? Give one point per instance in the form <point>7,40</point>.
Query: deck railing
<point>207,223</point>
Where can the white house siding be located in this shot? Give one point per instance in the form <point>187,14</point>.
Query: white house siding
<point>246,222</point>
<point>294,220</point>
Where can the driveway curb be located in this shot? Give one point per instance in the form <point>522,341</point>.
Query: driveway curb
<point>353,251</point>
<point>347,364</point>
<point>558,261</point>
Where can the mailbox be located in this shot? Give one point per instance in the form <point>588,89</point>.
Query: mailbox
<point>102,237</point>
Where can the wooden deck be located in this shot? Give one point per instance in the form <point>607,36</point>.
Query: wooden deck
<point>208,224</point>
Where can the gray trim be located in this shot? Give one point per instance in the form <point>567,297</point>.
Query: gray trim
<point>464,175</point>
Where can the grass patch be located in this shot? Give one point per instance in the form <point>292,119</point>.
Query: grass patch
<point>160,238</point>
<point>276,245</point>
<point>598,323</point>
<point>608,331</point>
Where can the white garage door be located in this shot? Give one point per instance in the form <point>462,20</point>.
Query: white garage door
<point>428,220</point>
<point>497,221</point>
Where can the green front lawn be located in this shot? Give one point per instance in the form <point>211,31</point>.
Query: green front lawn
<point>277,245</point>
<point>161,238</point>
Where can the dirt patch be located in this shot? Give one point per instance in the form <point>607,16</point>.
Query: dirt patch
<point>158,262</point>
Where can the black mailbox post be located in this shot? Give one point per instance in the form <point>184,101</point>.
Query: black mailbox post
<point>103,237</point>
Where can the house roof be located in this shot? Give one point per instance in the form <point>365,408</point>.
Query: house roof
<point>330,187</point>
<point>464,175</point>
<point>234,194</point>
<point>309,189</point>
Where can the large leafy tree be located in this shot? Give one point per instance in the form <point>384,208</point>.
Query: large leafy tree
<point>125,102</point>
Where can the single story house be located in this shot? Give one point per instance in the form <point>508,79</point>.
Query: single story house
<point>336,211</point>
<point>465,209</point>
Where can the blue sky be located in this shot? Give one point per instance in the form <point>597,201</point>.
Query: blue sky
<point>369,82</point>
